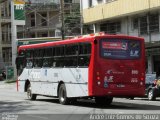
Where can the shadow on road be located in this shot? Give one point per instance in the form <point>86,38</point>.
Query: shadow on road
<point>114,105</point>
<point>13,106</point>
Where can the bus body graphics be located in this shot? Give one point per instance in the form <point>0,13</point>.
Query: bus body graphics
<point>100,67</point>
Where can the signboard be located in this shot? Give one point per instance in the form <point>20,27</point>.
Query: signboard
<point>32,42</point>
<point>10,72</point>
<point>120,49</point>
<point>19,13</point>
<point>115,45</point>
<point>17,18</point>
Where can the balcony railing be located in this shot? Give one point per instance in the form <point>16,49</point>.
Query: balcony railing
<point>42,7</point>
<point>1,1</point>
<point>6,42</point>
<point>38,29</point>
<point>5,19</point>
<point>49,7</point>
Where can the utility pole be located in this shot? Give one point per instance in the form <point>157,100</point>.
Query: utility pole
<point>14,38</point>
<point>148,20</point>
<point>62,18</point>
<point>81,14</point>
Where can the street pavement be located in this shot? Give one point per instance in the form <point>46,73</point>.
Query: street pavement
<point>13,102</point>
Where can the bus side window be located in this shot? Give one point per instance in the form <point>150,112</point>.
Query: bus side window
<point>29,58</point>
<point>20,62</point>
<point>71,54</point>
<point>84,61</point>
<point>38,62</point>
<point>58,60</point>
<point>29,63</point>
<point>48,57</point>
<point>84,54</point>
<point>22,59</point>
<point>47,62</point>
<point>29,54</point>
<point>38,54</point>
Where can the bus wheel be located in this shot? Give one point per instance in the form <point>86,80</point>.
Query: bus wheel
<point>151,95</point>
<point>29,93</point>
<point>63,95</point>
<point>103,100</point>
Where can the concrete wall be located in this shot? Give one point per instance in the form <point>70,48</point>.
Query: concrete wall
<point>116,9</point>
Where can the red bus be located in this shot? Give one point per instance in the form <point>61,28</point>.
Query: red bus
<point>99,67</point>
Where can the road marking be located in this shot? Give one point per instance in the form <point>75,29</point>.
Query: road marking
<point>35,116</point>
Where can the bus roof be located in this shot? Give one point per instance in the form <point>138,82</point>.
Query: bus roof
<point>90,38</point>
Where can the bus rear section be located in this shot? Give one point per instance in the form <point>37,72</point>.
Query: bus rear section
<point>119,68</point>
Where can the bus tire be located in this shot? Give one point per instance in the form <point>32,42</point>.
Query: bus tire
<point>103,100</point>
<point>62,94</point>
<point>29,93</point>
<point>151,95</point>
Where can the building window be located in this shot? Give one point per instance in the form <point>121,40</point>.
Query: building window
<point>44,35</point>
<point>32,16</point>
<point>149,24</point>
<point>135,23</point>
<point>99,1</point>
<point>57,34</point>
<point>33,35</point>
<point>10,37</point>
<point>44,15</point>
<point>44,19</point>
<point>90,3</point>
<point>32,22</point>
<point>3,37</point>
<point>108,1</point>
<point>4,57</point>
<point>154,23</point>
<point>143,25</point>
<point>67,1</point>
<point>111,27</point>
<point>44,22</point>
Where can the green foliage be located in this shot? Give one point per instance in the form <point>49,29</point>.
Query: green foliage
<point>10,81</point>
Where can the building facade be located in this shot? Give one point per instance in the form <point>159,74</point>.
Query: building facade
<point>42,20</point>
<point>132,17</point>
<point>5,34</point>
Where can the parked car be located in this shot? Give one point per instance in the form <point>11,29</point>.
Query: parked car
<point>152,86</point>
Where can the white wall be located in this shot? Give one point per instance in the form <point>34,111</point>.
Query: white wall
<point>86,5</point>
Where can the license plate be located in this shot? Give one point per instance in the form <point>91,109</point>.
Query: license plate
<point>120,86</point>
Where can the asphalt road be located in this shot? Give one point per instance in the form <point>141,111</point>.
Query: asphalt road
<point>15,103</point>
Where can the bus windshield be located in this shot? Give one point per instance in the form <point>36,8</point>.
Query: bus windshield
<point>120,49</point>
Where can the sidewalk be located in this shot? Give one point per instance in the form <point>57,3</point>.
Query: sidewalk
<point>2,82</point>
<point>7,85</point>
